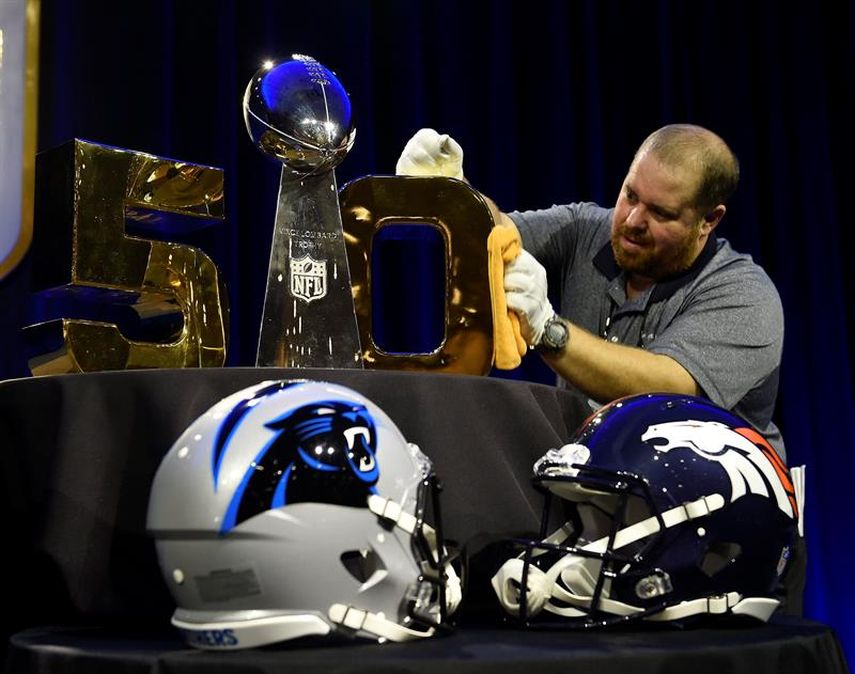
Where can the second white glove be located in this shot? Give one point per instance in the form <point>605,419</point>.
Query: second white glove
<point>429,153</point>
<point>526,294</point>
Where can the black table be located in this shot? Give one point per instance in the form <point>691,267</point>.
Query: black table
<point>80,451</point>
<point>786,646</point>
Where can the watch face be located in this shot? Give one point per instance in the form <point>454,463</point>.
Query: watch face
<point>555,334</point>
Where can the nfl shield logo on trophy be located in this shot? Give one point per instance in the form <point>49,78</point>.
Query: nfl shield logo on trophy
<point>308,278</point>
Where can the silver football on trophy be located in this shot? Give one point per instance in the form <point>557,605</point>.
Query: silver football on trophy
<point>297,111</point>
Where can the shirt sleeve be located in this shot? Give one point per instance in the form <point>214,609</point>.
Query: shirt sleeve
<point>728,334</point>
<point>556,235</point>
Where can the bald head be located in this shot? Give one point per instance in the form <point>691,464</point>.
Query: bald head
<point>702,152</point>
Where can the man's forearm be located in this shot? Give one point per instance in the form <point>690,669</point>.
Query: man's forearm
<point>605,371</point>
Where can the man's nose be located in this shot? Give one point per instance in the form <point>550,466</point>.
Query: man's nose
<point>637,216</point>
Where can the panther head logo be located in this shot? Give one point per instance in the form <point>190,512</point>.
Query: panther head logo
<point>322,452</point>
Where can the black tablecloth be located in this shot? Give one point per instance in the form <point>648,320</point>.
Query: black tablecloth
<point>787,646</point>
<point>80,451</point>
<point>78,456</point>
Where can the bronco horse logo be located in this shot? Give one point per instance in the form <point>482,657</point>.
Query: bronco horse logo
<point>746,457</point>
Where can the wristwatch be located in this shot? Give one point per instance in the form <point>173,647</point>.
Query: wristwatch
<point>556,332</point>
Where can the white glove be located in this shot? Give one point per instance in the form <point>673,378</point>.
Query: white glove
<point>525,294</point>
<point>430,154</point>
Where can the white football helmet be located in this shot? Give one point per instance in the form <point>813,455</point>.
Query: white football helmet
<point>297,508</point>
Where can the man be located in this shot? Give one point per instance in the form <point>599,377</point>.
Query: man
<point>649,298</point>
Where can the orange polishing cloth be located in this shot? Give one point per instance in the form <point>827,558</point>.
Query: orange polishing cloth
<point>503,246</point>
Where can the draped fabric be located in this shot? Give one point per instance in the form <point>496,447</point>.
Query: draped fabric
<point>549,100</point>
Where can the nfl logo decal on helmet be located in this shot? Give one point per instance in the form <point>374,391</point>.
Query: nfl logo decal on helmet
<point>677,509</point>
<point>297,508</point>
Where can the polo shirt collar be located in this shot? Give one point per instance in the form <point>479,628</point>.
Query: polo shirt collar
<point>606,264</point>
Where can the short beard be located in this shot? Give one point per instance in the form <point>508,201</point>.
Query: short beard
<point>655,266</point>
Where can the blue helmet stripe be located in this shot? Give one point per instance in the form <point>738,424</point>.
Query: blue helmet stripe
<point>232,421</point>
<point>230,518</point>
<point>279,498</point>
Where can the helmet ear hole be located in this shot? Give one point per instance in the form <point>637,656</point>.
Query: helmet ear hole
<point>362,564</point>
<point>718,556</point>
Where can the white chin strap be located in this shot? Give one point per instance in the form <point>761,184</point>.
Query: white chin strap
<point>580,574</point>
<point>376,623</point>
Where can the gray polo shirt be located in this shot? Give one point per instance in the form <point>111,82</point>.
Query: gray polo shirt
<point>722,319</point>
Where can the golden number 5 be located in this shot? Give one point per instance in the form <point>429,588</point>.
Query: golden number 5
<point>85,193</point>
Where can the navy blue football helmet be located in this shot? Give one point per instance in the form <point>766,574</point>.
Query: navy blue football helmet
<point>676,508</point>
<point>297,508</point>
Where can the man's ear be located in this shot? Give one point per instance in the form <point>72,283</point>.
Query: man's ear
<point>712,218</point>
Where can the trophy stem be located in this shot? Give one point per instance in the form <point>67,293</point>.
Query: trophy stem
<point>309,318</point>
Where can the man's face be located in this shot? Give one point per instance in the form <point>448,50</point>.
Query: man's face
<point>656,231</point>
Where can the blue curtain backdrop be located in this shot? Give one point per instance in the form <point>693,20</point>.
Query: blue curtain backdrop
<point>549,101</point>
